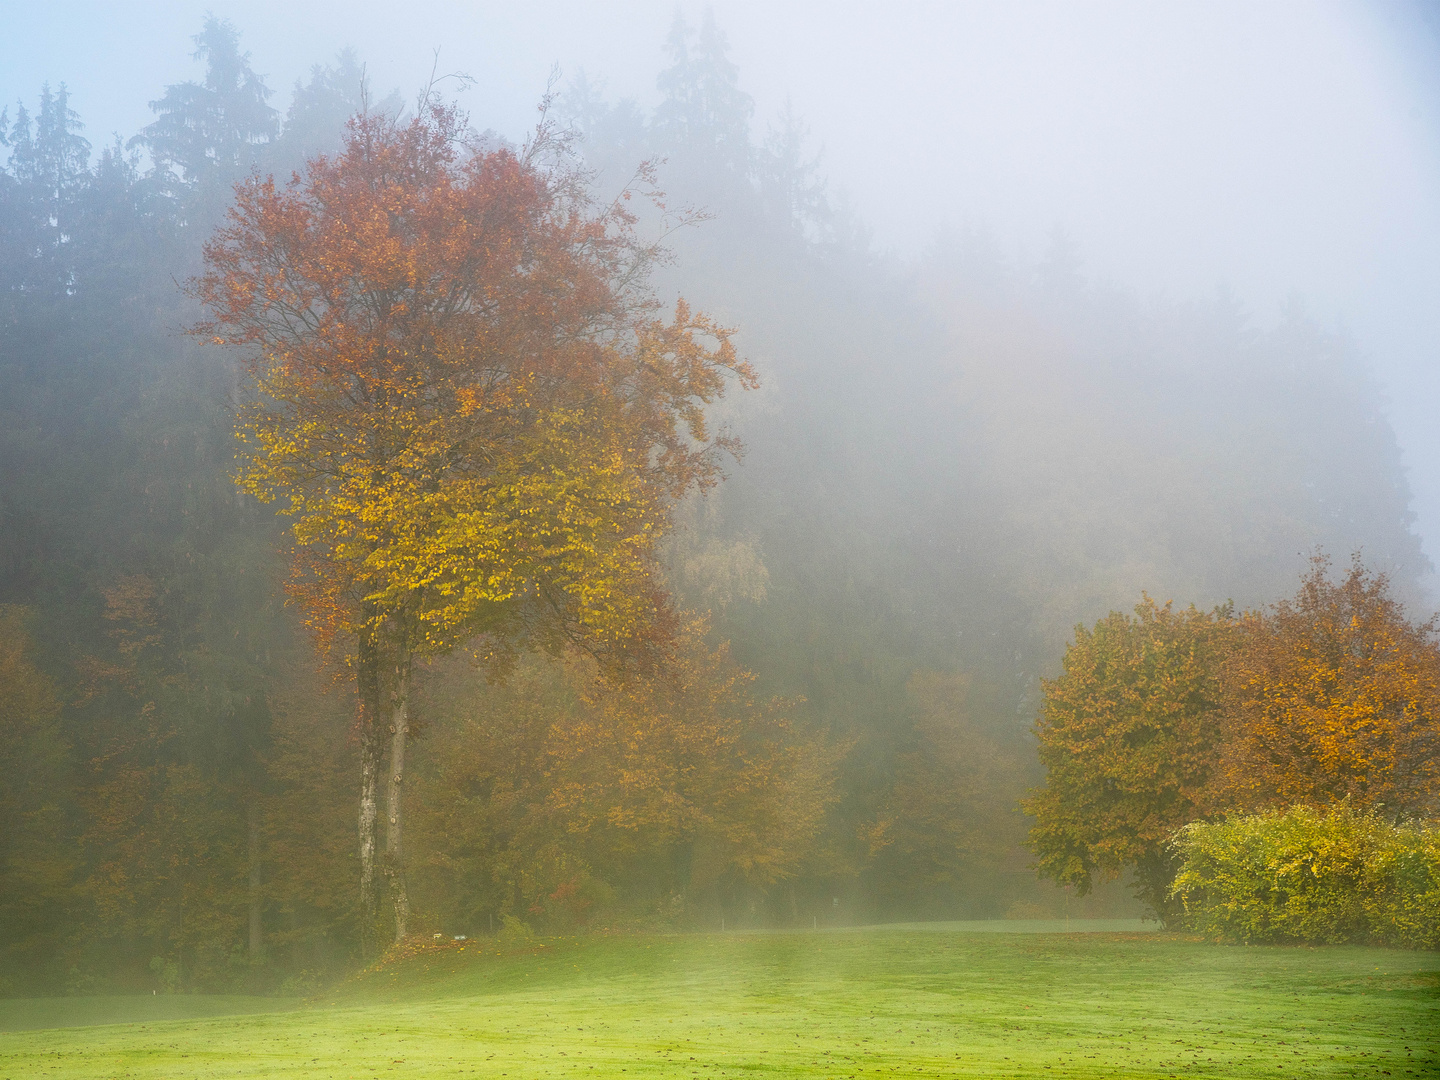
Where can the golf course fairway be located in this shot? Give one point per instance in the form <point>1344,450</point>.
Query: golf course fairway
<point>896,1002</point>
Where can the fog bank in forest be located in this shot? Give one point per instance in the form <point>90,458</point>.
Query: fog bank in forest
<point>980,420</point>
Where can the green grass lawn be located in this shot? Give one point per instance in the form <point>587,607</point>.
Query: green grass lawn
<point>885,1002</point>
<point>24,1014</point>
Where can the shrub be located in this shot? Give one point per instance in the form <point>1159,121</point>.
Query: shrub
<point>515,933</point>
<point>1308,875</point>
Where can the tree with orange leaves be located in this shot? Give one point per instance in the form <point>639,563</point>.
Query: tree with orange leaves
<point>468,404</point>
<point>566,792</point>
<point>1333,697</point>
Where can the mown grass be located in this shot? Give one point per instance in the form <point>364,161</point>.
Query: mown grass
<point>875,1003</point>
<point>24,1014</point>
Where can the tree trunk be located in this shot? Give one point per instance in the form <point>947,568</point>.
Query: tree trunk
<point>367,678</point>
<point>369,784</point>
<point>394,852</point>
<point>253,820</point>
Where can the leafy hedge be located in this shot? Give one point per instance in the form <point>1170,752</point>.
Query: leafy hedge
<point>1307,875</point>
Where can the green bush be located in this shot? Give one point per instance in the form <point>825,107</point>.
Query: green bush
<point>1315,876</point>
<point>515,933</point>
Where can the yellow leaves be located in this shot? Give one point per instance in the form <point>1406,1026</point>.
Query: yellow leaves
<point>1128,734</point>
<point>1303,874</point>
<point>26,694</point>
<point>472,419</point>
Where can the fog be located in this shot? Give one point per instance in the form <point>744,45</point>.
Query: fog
<point>1277,150</point>
<point>1053,307</point>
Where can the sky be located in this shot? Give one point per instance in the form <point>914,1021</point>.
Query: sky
<point>1281,150</point>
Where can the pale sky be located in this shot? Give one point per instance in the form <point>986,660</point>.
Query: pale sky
<point>1279,148</point>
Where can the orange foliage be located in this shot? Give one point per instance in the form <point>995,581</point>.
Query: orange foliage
<point>951,814</point>
<point>563,785</point>
<point>1333,696</point>
<point>464,398</point>
<point>36,863</point>
<point>687,754</point>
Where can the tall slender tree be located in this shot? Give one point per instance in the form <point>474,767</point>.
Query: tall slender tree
<point>704,114</point>
<point>206,134</point>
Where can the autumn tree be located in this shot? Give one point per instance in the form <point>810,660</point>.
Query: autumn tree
<point>688,761</point>
<point>1129,734</point>
<point>1334,696</point>
<point>674,792</point>
<point>114,455</point>
<point>950,819</point>
<point>464,398</point>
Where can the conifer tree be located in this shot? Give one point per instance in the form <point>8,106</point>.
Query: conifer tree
<point>207,134</point>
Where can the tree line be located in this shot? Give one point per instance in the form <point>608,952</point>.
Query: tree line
<point>817,706</point>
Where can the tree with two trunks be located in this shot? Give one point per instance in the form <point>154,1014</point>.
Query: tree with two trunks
<point>465,397</point>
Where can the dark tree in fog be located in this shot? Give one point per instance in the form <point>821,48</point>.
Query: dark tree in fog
<point>209,132</point>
